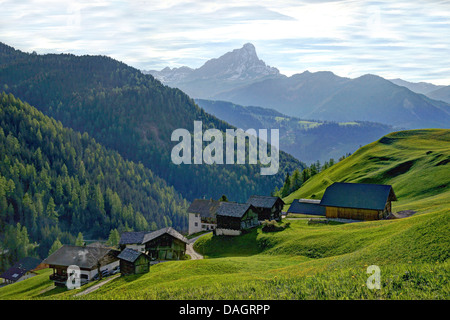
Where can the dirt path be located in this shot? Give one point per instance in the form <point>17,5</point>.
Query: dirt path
<point>190,248</point>
<point>95,287</point>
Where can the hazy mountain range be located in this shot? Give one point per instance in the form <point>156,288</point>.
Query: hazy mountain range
<point>242,78</point>
<point>307,140</point>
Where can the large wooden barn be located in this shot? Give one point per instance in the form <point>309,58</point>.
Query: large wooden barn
<point>358,201</point>
<point>233,218</point>
<point>163,244</point>
<point>267,208</point>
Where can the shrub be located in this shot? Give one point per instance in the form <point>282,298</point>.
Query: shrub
<point>273,226</point>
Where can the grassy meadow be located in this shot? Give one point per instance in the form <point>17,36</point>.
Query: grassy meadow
<point>320,261</point>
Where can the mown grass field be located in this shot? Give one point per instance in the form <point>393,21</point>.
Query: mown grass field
<point>316,261</point>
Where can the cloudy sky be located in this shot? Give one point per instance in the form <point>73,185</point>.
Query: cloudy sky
<point>408,39</point>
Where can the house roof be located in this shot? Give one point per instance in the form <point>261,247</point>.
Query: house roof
<point>358,195</point>
<point>129,255</point>
<point>206,208</point>
<point>13,274</point>
<point>83,257</point>
<point>142,237</point>
<point>20,268</point>
<point>132,237</point>
<point>233,209</point>
<point>155,234</point>
<point>263,201</point>
<point>307,207</point>
<point>28,263</point>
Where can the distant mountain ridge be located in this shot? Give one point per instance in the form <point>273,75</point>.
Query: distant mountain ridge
<point>234,68</point>
<point>418,87</point>
<point>242,78</point>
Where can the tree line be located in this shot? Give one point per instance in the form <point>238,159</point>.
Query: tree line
<point>56,182</point>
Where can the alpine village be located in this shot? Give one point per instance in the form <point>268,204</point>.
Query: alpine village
<point>89,195</point>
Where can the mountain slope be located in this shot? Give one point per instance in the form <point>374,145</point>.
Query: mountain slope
<point>442,94</point>
<point>325,96</point>
<point>56,182</point>
<point>416,163</point>
<point>306,140</point>
<point>132,113</point>
<point>418,87</point>
<point>372,98</point>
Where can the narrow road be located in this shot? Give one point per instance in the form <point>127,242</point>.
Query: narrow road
<point>190,248</point>
<point>95,287</point>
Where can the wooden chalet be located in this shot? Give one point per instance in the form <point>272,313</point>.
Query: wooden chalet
<point>233,218</point>
<point>133,262</point>
<point>21,270</point>
<point>163,244</point>
<point>307,206</point>
<point>90,260</point>
<point>202,215</point>
<point>358,201</point>
<point>267,208</point>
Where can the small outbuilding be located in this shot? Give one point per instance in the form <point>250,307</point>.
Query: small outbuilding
<point>133,262</point>
<point>163,244</point>
<point>308,207</point>
<point>267,208</point>
<point>233,218</point>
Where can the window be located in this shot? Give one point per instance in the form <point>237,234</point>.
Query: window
<point>196,224</point>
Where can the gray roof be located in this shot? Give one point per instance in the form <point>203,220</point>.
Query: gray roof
<point>132,237</point>
<point>358,195</point>
<point>155,234</point>
<point>83,257</point>
<point>142,237</point>
<point>206,208</point>
<point>263,201</point>
<point>20,268</point>
<point>13,274</point>
<point>233,209</point>
<point>28,263</point>
<point>129,255</point>
<point>307,207</point>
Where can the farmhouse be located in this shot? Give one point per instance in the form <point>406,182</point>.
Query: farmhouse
<point>90,260</point>
<point>133,262</point>
<point>358,201</point>
<point>202,215</point>
<point>267,208</point>
<point>233,218</point>
<point>21,270</point>
<point>163,244</point>
<point>308,207</point>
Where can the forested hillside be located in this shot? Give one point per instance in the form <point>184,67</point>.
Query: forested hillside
<point>132,113</point>
<point>56,182</point>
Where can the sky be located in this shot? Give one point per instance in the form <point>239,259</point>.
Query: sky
<point>408,39</point>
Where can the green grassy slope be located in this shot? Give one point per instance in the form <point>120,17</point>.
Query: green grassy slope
<point>318,261</point>
<point>415,162</point>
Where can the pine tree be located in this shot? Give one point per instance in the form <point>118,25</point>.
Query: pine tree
<point>55,246</point>
<point>80,240</point>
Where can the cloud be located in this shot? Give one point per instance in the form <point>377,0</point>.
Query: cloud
<point>401,39</point>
